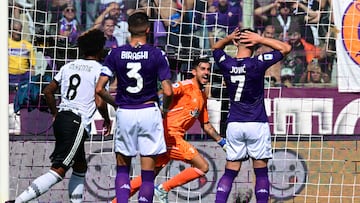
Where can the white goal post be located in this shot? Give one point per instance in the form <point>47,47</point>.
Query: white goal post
<point>4,103</point>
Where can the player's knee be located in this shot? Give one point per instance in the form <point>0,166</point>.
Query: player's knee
<point>204,168</point>
<point>80,167</point>
<point>61,171</point>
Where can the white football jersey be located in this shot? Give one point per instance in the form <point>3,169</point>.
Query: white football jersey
<point>78,80</point>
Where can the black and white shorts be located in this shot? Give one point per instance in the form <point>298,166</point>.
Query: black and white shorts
<point>70,136</point>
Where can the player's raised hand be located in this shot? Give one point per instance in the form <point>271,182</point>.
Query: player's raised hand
<point>235,35</point>
<point>250,38</point>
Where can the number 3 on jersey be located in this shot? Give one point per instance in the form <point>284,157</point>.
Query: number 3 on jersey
<point>241,80</point>
<point>74,81</point>
<point>134,73</point>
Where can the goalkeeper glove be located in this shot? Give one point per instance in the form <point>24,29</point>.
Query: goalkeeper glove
<point>222,143</point>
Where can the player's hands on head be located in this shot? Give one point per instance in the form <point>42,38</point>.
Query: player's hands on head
<point>250,38</point>
<point>235,35</point>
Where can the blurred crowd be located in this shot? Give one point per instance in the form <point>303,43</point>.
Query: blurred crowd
<point>43,33</point>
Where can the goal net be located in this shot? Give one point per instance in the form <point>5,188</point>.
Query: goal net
<point>314,122</point>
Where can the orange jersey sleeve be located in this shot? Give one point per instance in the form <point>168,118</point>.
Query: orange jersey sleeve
<point>189,104</point>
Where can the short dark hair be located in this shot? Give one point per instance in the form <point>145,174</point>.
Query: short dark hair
<point>138,23</point>
<point>253,48</point>
<point>108,18</point>
<point>286,5</point>
<point>200,59</point>
<point>91,42</point>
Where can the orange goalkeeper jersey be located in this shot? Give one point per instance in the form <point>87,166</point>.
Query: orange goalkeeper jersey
<point>189,103</point>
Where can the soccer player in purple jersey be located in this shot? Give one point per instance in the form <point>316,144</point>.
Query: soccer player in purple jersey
<point>137,67</point>
<point>248,131</point>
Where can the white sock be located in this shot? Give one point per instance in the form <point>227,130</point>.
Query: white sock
<point>39,186</point>
<point>76,187</point>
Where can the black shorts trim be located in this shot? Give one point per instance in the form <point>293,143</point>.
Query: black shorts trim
<point>70,136</point>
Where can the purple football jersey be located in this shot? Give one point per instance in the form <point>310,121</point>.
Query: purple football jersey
<point>244,78</point>
<point>137,70</point>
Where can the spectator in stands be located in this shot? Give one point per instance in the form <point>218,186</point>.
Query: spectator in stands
<point>285,20</point>
<point>21,55</point>
<point>121,32</point>
<point>306,51</point>
<point>53,9</point>
<point>191,21</point>
<point>263,12</point>
<point>171,15</point>
<point>21,13</point>
<point>287,77</point>
<point>274,70</point>
<point>313,73</point>
<point>44,54</point>
<point>203,8</point>
<point>86,17</point>
<point>270,81</point>
<point>301,54</point>
<point>269,31</point>
<point>68,24</point>
<point>326,19</point>
<point>326,76</point>
<point>311,12</point>
<point>296,64</point>
<point>108,26</point>
<point>226,15</point>
<point>327,60</point>
<point>160,36</point>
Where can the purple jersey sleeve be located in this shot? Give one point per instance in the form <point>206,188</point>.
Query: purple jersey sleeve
<point>137,70</point>
<point>244,78</point>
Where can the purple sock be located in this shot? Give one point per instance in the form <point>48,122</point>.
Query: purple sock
<point>122,184</point>
<point>262,185</point>
<point>224,186</point>
<point>146,191</point>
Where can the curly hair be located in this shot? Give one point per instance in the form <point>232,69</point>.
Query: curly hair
<point>91,42</point>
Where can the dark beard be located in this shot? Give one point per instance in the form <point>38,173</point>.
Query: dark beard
<point>223,9</point>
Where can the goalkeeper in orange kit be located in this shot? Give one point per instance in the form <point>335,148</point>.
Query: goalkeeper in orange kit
<point>189,104</point>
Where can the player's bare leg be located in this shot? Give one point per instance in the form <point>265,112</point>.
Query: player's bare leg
<point>199,168</point>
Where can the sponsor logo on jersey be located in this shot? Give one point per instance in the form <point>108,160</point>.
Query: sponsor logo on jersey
<point>176,85</point>
<point>195,113</point>
<point>222,58</point>
<point>19,52</point>
<point>268,57</point>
